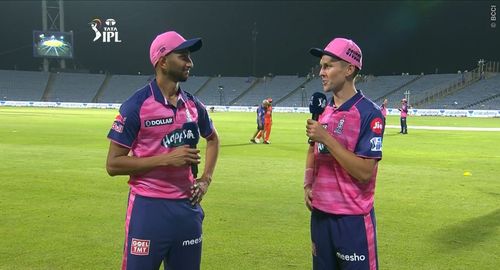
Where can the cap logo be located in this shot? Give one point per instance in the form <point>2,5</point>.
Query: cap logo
<point>353,54</point>
<point>162,49</point>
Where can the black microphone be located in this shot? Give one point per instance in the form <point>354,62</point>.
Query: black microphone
<point>317,104</point>
<point>192,138</point>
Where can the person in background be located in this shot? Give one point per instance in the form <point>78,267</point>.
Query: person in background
<point>268,122</point>
<point>261,112</point>
<point>403,113</point>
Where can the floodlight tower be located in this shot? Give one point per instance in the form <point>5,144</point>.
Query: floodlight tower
<point>53,13</point>
<point>254,48</point>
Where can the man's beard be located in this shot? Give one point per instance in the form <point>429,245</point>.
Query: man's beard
<point>177,76</point>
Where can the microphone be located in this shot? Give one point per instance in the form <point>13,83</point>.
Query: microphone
<point>317,104</point>
<point>192,138</point>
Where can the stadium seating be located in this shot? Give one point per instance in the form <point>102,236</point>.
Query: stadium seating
<point>377,87</point>
<point>291,91</point>
<point>232,87</point>
<point>120,87</point>
<point>74,87</point>
<point>478,91</point>
<point>274,87</point>
<point>22,85</point>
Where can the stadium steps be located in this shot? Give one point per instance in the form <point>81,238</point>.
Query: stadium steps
<point>381,98</point>
<point>202,86</point>
<point>254,83</point>
<point>102,88</point>
<point>48,87</point>
<point>450,90</point>
<point>480,101</point>
<point>293,91</point>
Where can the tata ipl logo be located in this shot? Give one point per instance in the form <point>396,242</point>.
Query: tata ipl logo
<point>108,32</point>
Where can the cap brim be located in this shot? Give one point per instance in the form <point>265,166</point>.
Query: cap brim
<point>316,52</point>
<point>320,52</point>
<point>191,44</point>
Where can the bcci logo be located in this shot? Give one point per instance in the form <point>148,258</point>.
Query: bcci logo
<point>108,32</point>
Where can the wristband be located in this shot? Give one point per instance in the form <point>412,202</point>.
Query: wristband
<point>308,176</point>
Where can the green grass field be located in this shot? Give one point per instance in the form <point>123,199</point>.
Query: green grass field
<point>60,209</point>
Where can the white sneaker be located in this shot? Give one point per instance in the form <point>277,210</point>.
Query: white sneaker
<point>257,140</point>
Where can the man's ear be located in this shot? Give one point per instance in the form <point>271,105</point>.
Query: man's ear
<point>163,62</point>
<point>350,70</point>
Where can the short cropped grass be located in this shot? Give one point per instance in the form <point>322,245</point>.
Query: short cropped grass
<point>60,210</point>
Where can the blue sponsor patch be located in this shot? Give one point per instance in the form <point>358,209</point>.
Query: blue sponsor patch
<point>376,144</point>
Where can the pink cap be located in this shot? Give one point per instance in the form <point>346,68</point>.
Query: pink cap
<point>171,41</point>
<point>342,48</point>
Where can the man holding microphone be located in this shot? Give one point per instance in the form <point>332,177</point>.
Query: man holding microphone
<point>153,140</point>
<point>341,165</point>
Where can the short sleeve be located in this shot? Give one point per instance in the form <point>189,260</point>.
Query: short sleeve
<point>370,137</point>
<point>204,122</point>
<point>126,125</point>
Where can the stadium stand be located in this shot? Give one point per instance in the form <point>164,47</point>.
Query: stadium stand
<point>22,85</point>
<point>300,98</point>
<point>472,96</point>
<point>73,87</point>
<point>120,87</point>
<point>475,92</point>
<point>422,87</point>
<point>378,88</point>
<point>274,87</point>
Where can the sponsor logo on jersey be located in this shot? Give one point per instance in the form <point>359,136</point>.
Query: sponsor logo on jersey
<point>177,138</point>
<point>351,258</point>
<point>376,144</point>
<point>191,242</point>
<point>139,247</point>
<point>119,123</point>
<point>118,127</point>
<point>158,122</point>
<point>377,125</point>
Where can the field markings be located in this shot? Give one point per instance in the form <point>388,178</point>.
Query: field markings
<point>447,128</point>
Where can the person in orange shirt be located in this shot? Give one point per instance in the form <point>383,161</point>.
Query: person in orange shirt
<point>268,122</point>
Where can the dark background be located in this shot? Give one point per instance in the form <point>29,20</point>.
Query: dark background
<point>395,37</point>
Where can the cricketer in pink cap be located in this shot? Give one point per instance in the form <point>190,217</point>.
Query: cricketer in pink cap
<point>342,48</point>
<point>171,41</point>
<point>342,164</point>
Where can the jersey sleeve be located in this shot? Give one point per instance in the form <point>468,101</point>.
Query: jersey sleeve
<point>204,122</point>
<point>369,143</point>
<point>126,125</point>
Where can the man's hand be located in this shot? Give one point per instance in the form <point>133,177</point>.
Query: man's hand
<point>316,132</point>
<point>183,156</point>
<point>199,189</point>
<point>308,197</point>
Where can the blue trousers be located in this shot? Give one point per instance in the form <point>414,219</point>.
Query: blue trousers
<point>162,230</point>
<point>345,242</point>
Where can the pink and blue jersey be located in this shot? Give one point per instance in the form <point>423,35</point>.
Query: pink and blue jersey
<point>358,126</point>
<point>404,110</point>
<point>149,126</point>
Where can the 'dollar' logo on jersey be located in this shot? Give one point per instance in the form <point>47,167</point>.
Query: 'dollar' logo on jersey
<point>177,138</point>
